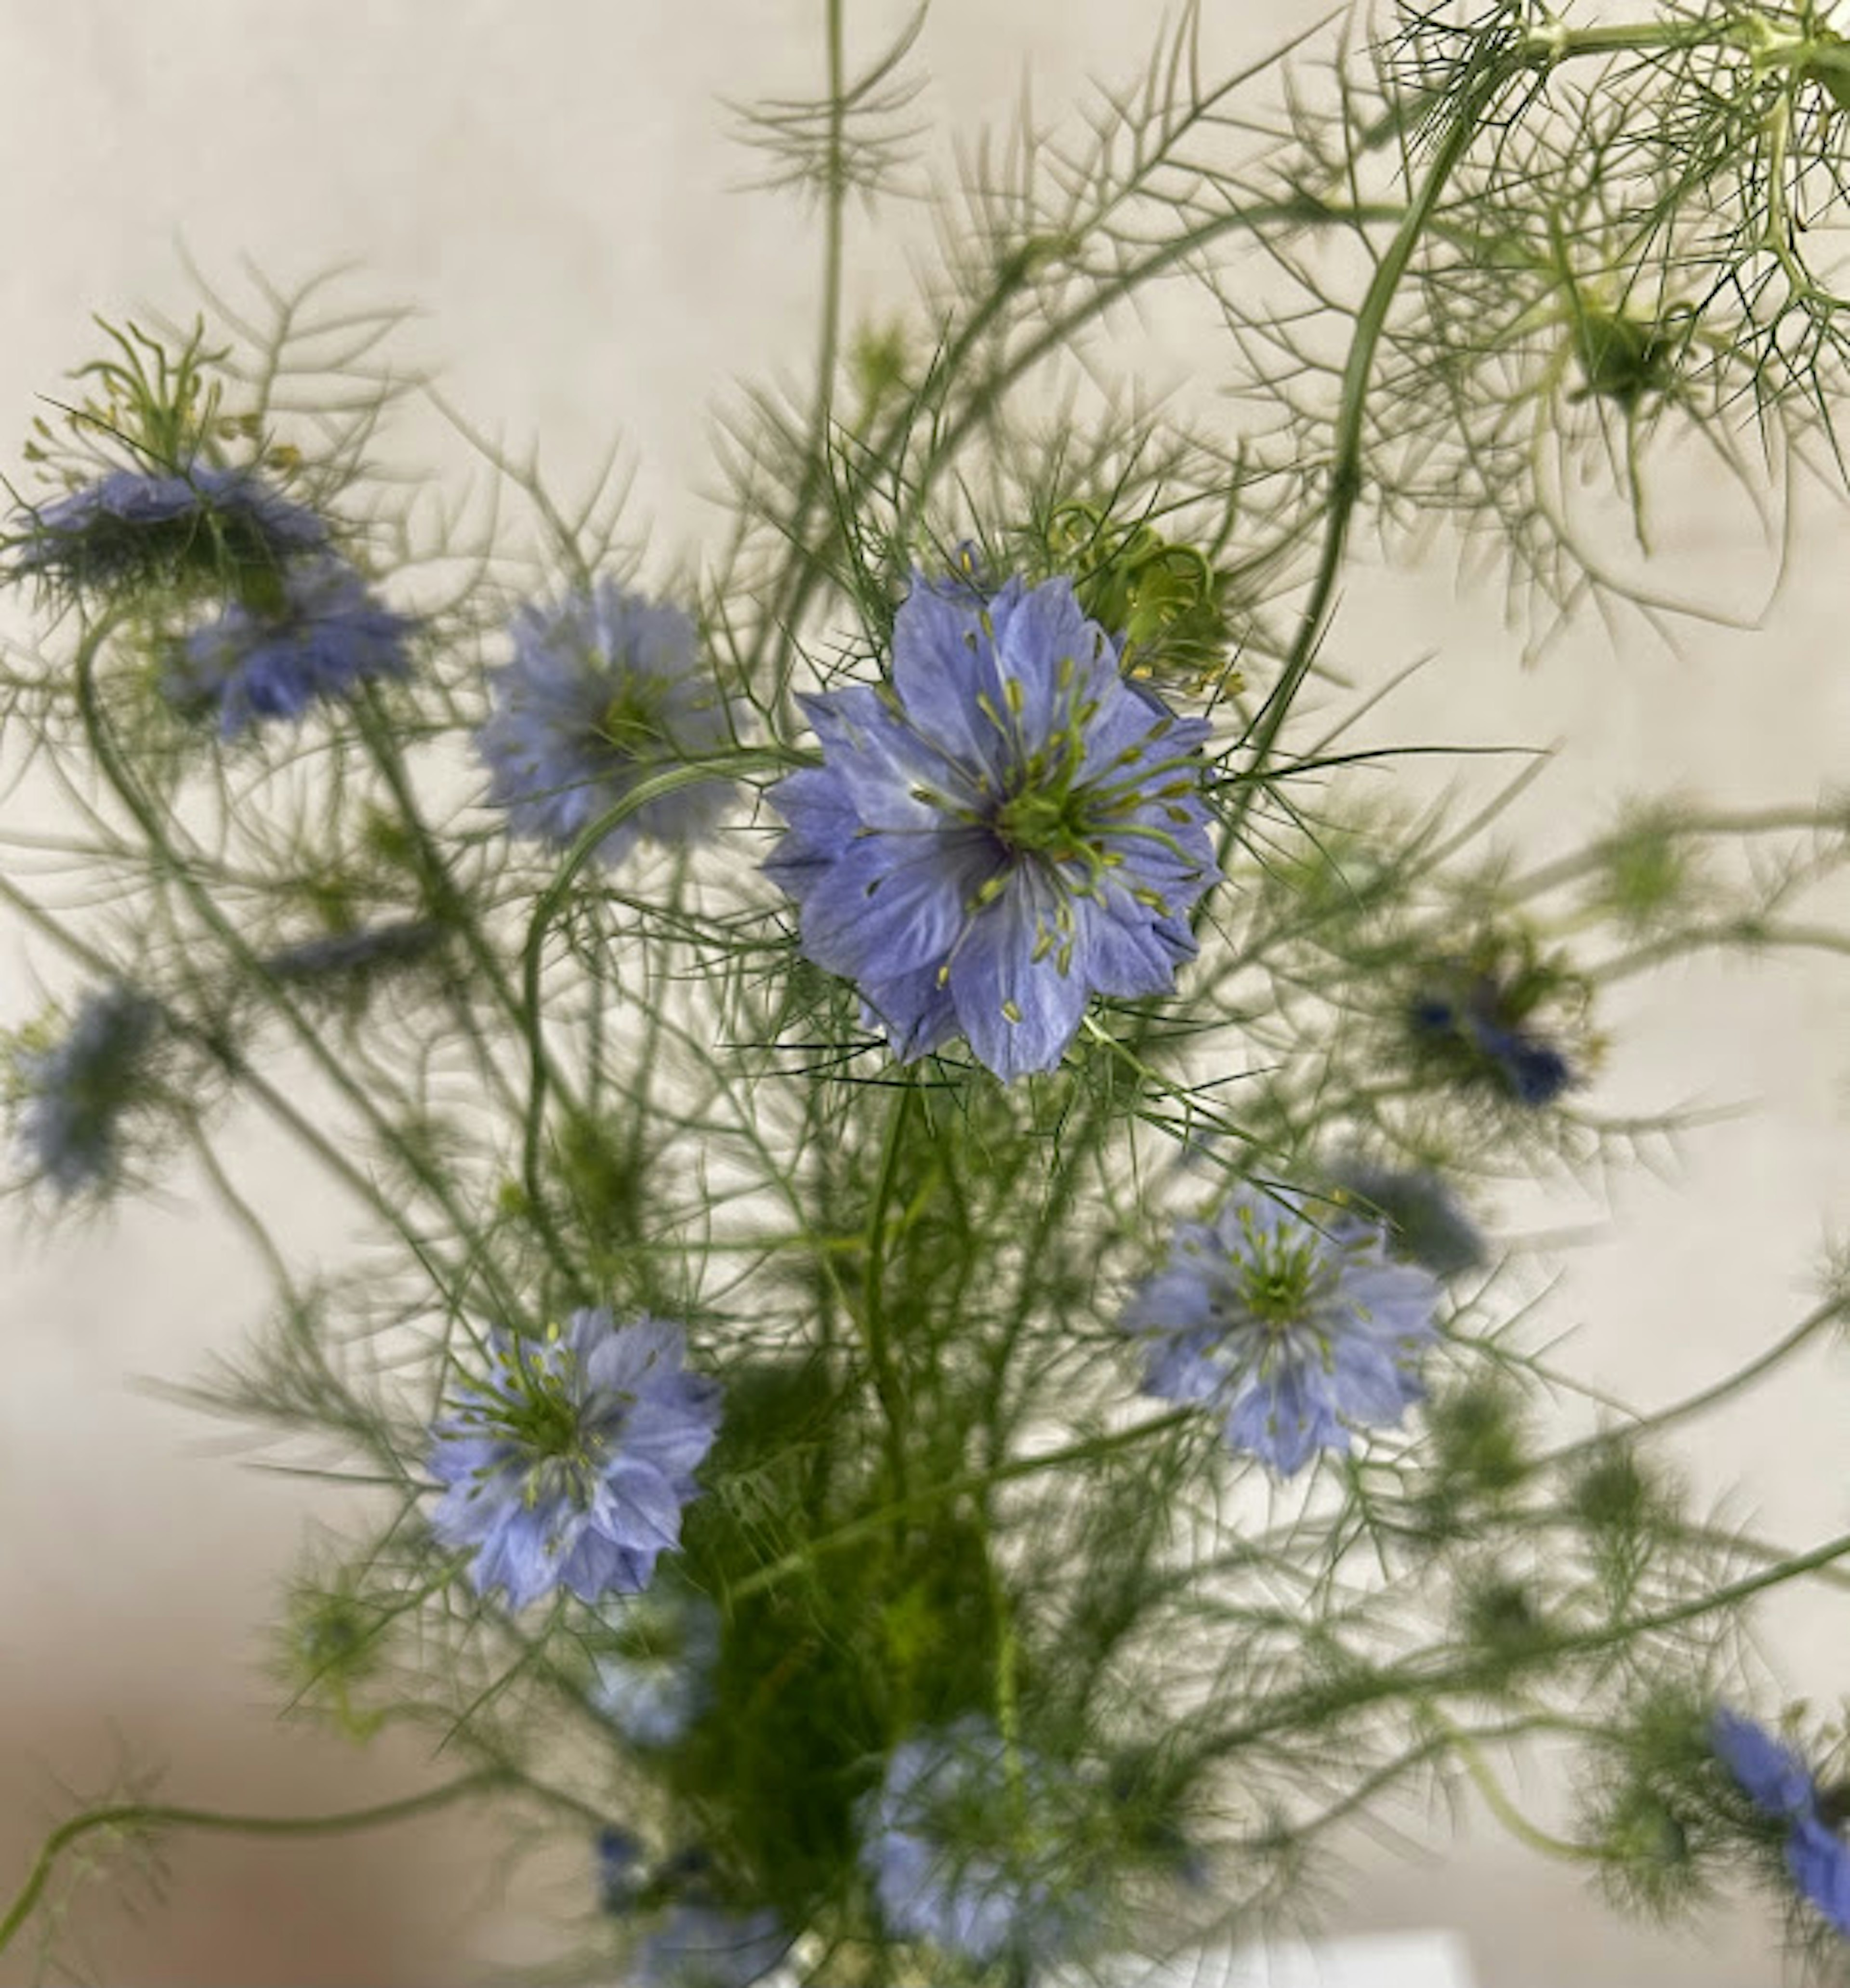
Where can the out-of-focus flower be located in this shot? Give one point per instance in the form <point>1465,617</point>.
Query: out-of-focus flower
<point>322,637</point>
<point>655,1664</point>
<point>1008,831</point>
<point>569,1467</point>
<point>964,1845</point>
<point>1780,1785</point>
<point>700,1946</point>
<point>1522,1064</point>
<point>605,690</point>
<point>69,1095</point>
<point>1423,1220</point>
<point>134,523</point>
<point>1295,1330</point>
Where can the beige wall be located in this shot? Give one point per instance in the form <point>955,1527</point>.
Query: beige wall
<point>551,185</point>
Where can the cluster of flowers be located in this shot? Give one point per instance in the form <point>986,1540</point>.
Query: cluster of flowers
<point>298,623</point>
<point>1007,828</point>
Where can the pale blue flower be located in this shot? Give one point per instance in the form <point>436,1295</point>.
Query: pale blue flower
<point>134,522</point>
<point>69,1096</point>
<point>965,1849</point>
<point>322,637</point>
<point>700,1946</point>
<point>569,1465</point>
<point>605,690</point>
<point>1295,1328</point>
<point>655,1675</point>
<point>1007,830</point>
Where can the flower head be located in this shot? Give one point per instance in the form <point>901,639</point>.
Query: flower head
<point>569,1466</point>
<point>323,636</point>
<point>620,1861</point>
<point>69,1095</point>
<point>605,690</point>
<point>1013,828</point>
<point>1424,1221</point>
<point>654,1673</point>
<point>134,523</point>
<point>1296,1330</point>
<point>1473,1022</point>
<point>1780,1785</point>
<point>700,1946</point>
<point>963,1844</point>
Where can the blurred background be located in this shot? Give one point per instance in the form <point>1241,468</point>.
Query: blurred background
<point>556,191</point>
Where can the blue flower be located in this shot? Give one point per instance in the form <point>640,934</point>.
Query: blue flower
<point>964,1848</point>
<point>620,1868</point>
<point>655,1677</point>
<point>322,638</point>
<point>1296,1330</point>
<point>702,1947</point>
<point>569,1467</point>
<point>1781,1786</point>
<point>1010,829</point>
<point>604,691</point>
<point>1527,1068</point>
<point>1423,1220</point>
<point>69,1096</point>
<point>364,950</point>
<point>133,521</point>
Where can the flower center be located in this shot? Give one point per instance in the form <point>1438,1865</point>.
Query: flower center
<point>1276,1282</point>
<point>1048,821</point>
<point>631,723</point>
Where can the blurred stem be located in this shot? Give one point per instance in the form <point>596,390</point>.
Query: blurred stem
<point>1829,1313</point>
<point>873,1307</point>
<point>128,791</point>
<point>130,1816</point>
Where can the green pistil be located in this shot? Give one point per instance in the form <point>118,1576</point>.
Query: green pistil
<point>1276,1281</point>
<point>631,722</point>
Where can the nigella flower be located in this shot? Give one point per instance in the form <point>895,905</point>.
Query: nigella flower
<point>1525,1067</point>
<point>69,1095</point>
<point>654,1673</point>
<point>569,1465</point>
<point>1779,1785</point>
<point>1010,829</point>
<point>1423,1220</point>
<point>366,949</point>
<point>1295,1329</point>
<point>321,637</point>
<point>964,1847</point>
<point>134,521</point>
<point>619,1871</point>
<point>605,690</point>
<point>700,1946</point>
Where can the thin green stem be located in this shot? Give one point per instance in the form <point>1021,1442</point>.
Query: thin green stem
<point>142,1816</point>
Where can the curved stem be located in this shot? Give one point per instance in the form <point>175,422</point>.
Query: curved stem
<point>160,1815</point>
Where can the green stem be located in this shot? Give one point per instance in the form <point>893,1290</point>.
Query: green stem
<point>159,1815</point>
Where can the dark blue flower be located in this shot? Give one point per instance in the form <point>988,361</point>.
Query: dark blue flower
<point>134,521</point>
<point>69,1096</point>
<point>364,950</point>
<point>700,1946</point>
<point>569,1465</point>
<point>605,690</point>
<point>322,638</point>
<point>1526,1068</point>
<point>1423,1220</point>
<point>1781,1786</point>
<point>621,1860</point>
<point>964,1847</point>
<point>655,1673</point>
<point>1008,831</point>
<point>1295,1329</point>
